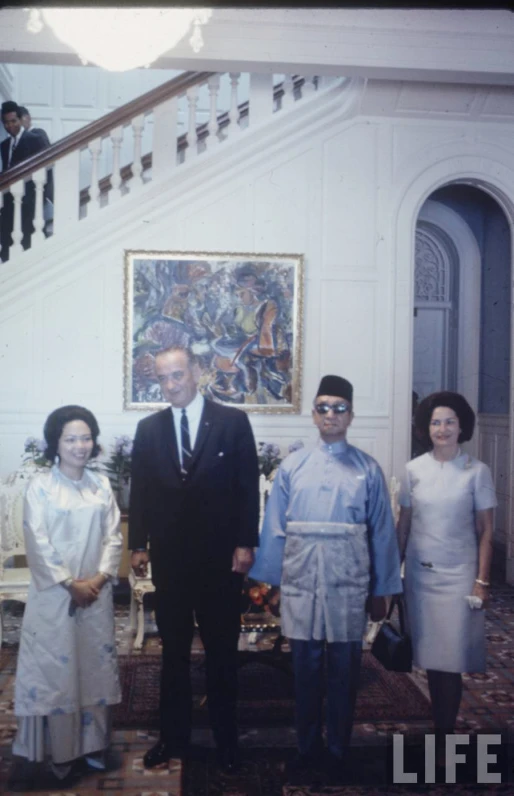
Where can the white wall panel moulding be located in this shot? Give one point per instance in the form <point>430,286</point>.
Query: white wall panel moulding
<point>6,81</point>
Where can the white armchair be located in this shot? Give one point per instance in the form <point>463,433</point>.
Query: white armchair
<point>139,588</point>
<point>264,489</point>
<point>14,578</point>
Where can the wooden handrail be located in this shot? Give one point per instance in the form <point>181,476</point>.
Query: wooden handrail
<point>202,131</point>
<point>101,127</point>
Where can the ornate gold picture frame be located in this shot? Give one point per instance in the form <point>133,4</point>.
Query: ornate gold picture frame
<point>241,314</point>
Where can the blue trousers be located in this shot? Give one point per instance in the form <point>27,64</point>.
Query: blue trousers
<point>343,667</point>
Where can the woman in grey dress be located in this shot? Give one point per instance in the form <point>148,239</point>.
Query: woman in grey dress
<point>445,534</point>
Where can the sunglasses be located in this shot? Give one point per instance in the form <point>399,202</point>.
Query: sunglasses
<point>338,409</point>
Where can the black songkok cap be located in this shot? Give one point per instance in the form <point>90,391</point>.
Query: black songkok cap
<point>336,385</point>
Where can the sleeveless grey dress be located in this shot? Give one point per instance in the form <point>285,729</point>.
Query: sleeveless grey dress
<point>441,561</point>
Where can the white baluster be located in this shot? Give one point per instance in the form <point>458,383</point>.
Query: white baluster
<point>138,124</point>
<point>214,87</point>
<point>66,191</point>
<point>116,138</point>
<point>39,178</point>
<point>261,98</point>
<point>288,95</point>
<point>234,106</point>
<point>95,147</point>
<point>164,148</point>
<point>192,136</point>
<point>17,191</point>
<point>308,87</point>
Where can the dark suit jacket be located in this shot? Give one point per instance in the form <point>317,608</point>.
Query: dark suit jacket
<point>29,144</point>
<point>42,134</point>
<point>194,526</point>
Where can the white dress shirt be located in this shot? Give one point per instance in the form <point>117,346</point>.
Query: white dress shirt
<point>194,412</point>
<point>14,143</point>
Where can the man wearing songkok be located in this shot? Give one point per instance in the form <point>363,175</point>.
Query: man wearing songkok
<point>328,539</point>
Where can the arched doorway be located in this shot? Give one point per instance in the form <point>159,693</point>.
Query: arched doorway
<point>447,289</point>
<point>436,310</point>
<point>462,320</point>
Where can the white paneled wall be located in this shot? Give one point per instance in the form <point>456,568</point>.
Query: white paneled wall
<point>62,99</point>
<point>350,172</point>
<point>493,448</point>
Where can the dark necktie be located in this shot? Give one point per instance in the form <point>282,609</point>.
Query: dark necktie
<point>185,441</point>
<point>12,151</point>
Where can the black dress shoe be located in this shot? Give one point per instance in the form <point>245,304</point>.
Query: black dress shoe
<point>158,755</point>
<point>305,769</point>
<point>22,776</point>
<point>229,759</point>
<point>336,770</point>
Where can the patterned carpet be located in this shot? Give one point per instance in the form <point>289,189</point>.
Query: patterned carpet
<point>487,706</point>
<point>266,693</point>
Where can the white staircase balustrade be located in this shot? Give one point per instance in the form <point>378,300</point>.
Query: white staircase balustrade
<point>176,130</point>
<point>17,192</point>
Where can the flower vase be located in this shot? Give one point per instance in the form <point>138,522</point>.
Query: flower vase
<point>123,496</point>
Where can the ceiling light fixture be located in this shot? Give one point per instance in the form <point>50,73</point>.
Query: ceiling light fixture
<point>120,39</point>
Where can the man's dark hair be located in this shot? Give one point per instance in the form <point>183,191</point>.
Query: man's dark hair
<point>173,349</point>
<point>56,421</point>
<point>451,400</point>
<point>23,111</point>
<point>9,106</point>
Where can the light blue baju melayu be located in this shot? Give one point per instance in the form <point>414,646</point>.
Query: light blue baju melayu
<point>328,539</point>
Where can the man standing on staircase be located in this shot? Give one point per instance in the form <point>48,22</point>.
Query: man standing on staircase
<point>195,498</point>
<point>20,145</point>
<point>329,541</point>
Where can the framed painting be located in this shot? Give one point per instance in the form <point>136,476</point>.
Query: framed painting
<point>241,315</point>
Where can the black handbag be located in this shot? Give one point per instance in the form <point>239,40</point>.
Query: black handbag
<point>392,646</point>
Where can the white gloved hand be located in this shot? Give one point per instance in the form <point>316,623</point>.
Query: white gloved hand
<point>475,603</point>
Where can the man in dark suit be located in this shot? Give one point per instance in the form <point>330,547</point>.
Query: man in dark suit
<point>19,146</point>
<point>26,121</point>
<point>195,498</point>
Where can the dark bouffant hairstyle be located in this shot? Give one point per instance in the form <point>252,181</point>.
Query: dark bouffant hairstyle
<point>56,421</point>
<point>453,400</point>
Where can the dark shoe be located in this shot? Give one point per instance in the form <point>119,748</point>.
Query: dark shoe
<point>304,769</point>
<point>229,759</point>
<point>48,779</point>
<point>22,776</point>
<point>335,769</point>
<point>159,755</point>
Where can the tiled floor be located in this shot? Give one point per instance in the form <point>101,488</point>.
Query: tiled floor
<point>488,705</point>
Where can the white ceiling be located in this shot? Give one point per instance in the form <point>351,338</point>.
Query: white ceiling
<point>462,46</point>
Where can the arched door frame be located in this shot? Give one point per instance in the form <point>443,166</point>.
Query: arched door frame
<point>469,259</point>
<point>482,168</point>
